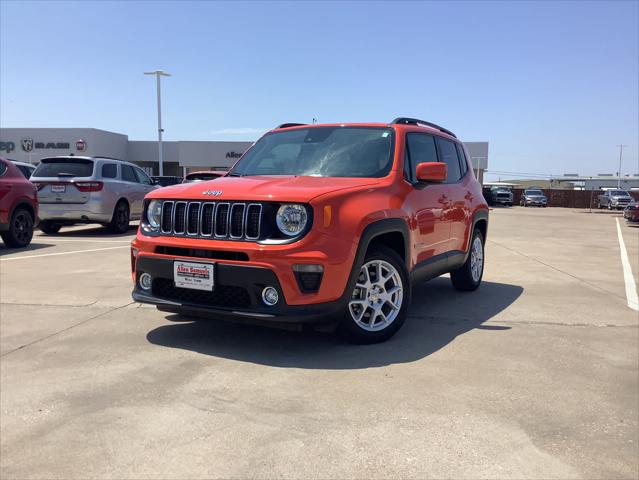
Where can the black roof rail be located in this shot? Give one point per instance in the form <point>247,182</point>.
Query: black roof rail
<point>109,158</point>
<point>417,121</point>
<point>287,125</point>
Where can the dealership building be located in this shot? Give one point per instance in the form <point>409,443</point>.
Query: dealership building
<point>29,145</point>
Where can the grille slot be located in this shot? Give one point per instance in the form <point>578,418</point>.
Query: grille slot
<point>167,217</point>
<point>237,220</point>
<point>252,223</point>
<point>206,219</point>
<point>179,220</point>
<point>227,296</point>
<point>222,220</point>
<point>219,220</point>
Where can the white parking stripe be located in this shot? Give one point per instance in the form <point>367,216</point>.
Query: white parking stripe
<point>631,288</point>
<point>62,253</point>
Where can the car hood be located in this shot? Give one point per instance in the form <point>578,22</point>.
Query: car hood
<point>260,188</point>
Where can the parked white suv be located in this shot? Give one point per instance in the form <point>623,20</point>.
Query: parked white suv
<point>74,189</point>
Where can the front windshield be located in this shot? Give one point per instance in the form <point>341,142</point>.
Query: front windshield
<point>619,193</point>
<point>321,152</point>
<point>534,192</point>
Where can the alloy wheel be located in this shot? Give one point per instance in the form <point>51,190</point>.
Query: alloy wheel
<point>476,259</point>
<point>377,297</point>
<point>22,227</point>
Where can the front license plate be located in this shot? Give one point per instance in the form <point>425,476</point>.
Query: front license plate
<point>58,188</point>
<point>196,276</point>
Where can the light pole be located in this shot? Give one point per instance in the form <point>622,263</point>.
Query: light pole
<point>158,74</point>
<point>619,172</point>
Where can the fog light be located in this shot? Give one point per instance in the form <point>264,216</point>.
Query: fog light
<point>270,296</point>
<point>146,281</point>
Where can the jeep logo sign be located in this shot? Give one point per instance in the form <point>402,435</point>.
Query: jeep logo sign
<point>7,147</point>
<point>233,155</point>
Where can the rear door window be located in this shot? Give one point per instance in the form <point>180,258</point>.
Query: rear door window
<point>448,152</point>
<point>64,167</point>
<point>420,148</point>
<point>109,170</point>
<point>128,175</point>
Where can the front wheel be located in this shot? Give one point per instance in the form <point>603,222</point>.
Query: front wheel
<point>468,277</point>
<point>20,230</point>
<point>379,302</point>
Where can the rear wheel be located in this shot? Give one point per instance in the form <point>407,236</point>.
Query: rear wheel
<point>20,230</point>
<point>120,221</point>
<point>49,228</point>
<point>379,302</point>
<point>468,276</point>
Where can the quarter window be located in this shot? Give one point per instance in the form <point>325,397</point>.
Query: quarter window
<point>109,170</point>
<point>128,175</point>
<point>420,148</point>
<point>462,160</point>
<point>142,177</point>
<point>448,153</point>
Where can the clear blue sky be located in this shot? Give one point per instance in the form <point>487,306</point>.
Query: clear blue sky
<point>553,86</point>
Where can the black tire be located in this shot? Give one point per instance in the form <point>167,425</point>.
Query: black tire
<point>463,278</point>
<point>20,230</point>
<point>349,328</point>
<point>120,221</point>
<point>49,228</point>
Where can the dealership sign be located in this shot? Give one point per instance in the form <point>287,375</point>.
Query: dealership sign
<point>28,145</point>
<point>7,147</point>
<point>233,155</point>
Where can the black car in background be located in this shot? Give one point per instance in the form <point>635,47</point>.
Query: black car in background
<point>166,180</point>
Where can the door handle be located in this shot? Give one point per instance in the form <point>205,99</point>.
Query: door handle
<point>469,196</point>
<point>443,199</point>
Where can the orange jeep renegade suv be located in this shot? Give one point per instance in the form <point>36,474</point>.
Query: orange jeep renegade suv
<point>317,223</point>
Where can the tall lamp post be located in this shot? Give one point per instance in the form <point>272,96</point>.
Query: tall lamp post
<point>619,172</point>
<point>158,74</point>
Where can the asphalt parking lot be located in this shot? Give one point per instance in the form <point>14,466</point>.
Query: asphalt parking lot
<point>535,375</point>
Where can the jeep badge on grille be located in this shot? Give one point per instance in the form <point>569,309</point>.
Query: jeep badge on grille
<point>213,193</point>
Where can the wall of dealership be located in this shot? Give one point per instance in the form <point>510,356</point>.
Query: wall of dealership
<point>31,144</point>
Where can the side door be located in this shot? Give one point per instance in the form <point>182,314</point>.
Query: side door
<point>427,203</point>
<point>459,193</point>
<point>132,190</point>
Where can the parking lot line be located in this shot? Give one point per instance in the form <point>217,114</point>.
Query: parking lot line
<point>629,280</point>
<point>62,253</point>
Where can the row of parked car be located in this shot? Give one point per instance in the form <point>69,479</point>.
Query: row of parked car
<point>67,190</point>
<point>531,197</point>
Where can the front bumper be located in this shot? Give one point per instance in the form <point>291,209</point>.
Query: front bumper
<point>236,295</point>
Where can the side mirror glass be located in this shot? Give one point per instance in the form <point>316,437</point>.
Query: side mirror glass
<point>431,172</point>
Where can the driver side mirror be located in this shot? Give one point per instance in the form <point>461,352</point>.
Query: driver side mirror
<point>431,172</point>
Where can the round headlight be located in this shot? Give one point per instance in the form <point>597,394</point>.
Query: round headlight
<point>154,214</point>
<point>291,219</point>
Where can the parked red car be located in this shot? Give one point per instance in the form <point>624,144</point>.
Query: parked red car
<point>18,206</point>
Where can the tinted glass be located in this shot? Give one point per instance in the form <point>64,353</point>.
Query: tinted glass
<point>420,148</point>
<point>3,168</point>
<point>109,170</point>
<point>618,193</point>
<point>321,152</point>
<point>462,159</point>
<point>142,177</point>
<point>128,175</point>
<point>24,170</point>
<point>533,192</point>
<point>448,151</point>
<point>65,167</point>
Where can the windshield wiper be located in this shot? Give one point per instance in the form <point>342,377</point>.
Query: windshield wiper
<point>65,174</point>
<point>233,174</point>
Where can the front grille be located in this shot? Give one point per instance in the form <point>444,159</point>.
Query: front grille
<point>221,220</point>
<point>226,296</point>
